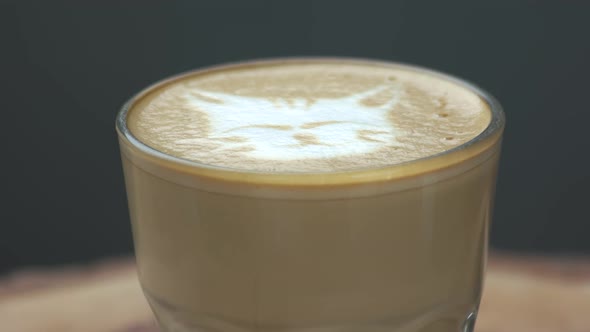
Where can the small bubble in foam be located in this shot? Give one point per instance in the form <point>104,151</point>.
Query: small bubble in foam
<point>448,140</point>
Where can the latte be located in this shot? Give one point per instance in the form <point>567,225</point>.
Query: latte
<point>311,195</point>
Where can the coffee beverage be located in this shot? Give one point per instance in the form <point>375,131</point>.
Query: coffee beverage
<point>311,195</point>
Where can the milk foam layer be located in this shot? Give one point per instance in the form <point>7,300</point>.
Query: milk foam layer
<point>308,116</point>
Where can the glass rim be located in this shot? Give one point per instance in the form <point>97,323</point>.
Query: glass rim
<point>496,124</point>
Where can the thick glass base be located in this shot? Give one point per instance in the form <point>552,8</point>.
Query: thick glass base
<point>172,319</point>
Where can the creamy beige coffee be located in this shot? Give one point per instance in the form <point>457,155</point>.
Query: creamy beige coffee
<point>311,195</point>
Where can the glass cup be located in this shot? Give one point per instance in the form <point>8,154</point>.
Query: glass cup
<point>398,248</point>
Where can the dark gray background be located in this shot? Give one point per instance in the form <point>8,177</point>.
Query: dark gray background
<point>68,67</point>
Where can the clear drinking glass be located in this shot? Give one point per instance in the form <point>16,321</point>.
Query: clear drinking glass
<point>398,248</point>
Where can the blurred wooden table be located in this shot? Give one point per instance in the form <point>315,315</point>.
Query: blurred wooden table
<point>522,294</point>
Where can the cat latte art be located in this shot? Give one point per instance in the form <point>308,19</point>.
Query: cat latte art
<point>294,129</point>
<point>311,195</point>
